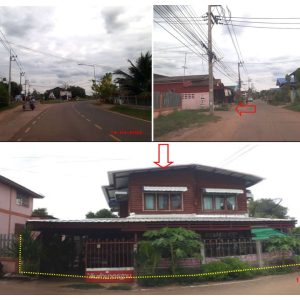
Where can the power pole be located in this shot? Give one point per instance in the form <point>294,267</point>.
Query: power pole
<point>184,67</point>
<point>211,56</point>
<point>21,74</point>
<point>210,64</point>
<point>240,82</point>
<point>11,58</point>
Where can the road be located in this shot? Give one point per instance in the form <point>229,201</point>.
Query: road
<point>82,121</point>
<point>269,123</point>
<point>267,285</point>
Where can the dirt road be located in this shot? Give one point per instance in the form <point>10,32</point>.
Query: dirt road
<point>269,123</point>
<point>269,285</point>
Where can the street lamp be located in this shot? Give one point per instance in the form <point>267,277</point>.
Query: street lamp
<point>90,66</point>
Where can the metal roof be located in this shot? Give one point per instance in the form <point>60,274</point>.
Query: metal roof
<point>20,188</point>
<point>165,218</point>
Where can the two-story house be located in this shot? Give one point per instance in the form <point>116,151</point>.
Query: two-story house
<point>16,202</point>
<point>211,201</point>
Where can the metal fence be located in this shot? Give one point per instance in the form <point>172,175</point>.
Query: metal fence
<point>166,100</point>
<point>229,247</point>
<point>109,254</point>
<point>7,242</point>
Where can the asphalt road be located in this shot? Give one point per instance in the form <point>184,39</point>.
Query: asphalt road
<point>267,285</point>
<point>269,123</point>
<point>83,121</point>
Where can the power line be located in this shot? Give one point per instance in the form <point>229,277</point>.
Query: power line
<point>264,27</point>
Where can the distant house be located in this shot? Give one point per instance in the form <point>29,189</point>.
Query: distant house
<point>66,95</point>
<point>16,202</point>
<point>194,89</point>
<point>290,81</point>
<point>51,96</point>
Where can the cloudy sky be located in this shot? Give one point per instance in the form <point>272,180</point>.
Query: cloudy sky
<point>267,53</point>
<point>70,175</point>
<point>59,37</point>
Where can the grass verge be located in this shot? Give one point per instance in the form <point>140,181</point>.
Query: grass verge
<point>182,119</point>
<point>7,107</point>
<point>144,114</point>
<point>294,106</point>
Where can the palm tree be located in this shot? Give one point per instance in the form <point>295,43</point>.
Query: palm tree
<point>137,81</point>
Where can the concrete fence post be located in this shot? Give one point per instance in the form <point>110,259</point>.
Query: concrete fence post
<point>202,251</point>
<point>259,253</point>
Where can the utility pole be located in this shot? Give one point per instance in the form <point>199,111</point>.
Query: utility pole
<point>11,58</point>
<point>184,67</point>
<point>211,56</point>
<point>240,82</point>
<point>21,74</point>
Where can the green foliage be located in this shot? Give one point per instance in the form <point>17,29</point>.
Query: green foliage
<point>77,91</point>
<point>144,114</point>
<point>266,208</point>
<point>102,213</point>
<point>215,266</point>
<point>41,212</point>
<point>283,243</point>
<point>137,81</point>
<point>236,264</point>
<point>3,95</point>
<point>174,244</point>
<point>106,89</point>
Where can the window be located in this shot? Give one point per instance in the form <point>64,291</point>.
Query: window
<point>150,201</point>
<point>208,202</point>
<point>22,200</point>
<point>218,202</point>
<point>230,202</point>
<point>176,201</point>
<point>163,201</point>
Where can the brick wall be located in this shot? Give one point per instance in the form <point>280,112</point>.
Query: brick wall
<point>194,181</point>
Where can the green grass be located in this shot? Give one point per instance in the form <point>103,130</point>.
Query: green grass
<point>182,119</point>
<point>120,287</point>
<point>85,286</point>
<point>4,107</point>
<point>144,114</point>
<point>294,106</point>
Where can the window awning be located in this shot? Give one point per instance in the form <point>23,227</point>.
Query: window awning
<point>265,233</point>
<point>165,188</point>
<point>223,191</point>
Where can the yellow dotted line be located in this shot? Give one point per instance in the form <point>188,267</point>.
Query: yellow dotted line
<point>20,253</point>
<point>109,277</point>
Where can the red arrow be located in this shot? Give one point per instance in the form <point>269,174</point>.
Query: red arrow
<point>241,106</point>
<point>163,160</point>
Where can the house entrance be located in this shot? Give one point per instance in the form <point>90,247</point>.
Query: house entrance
<point>110,260</point>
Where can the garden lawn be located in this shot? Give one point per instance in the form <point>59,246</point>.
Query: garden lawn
<point>144,114</point>
<point>182,119</point>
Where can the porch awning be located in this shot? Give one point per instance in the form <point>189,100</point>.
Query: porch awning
<point>223,191</point>
<point>265,233</point>
<point>165,188</point>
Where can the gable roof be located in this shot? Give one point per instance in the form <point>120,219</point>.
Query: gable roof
<point>20,188</point>
<point>118,180</point>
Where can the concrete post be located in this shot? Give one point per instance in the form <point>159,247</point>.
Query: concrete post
<point>260,261</point>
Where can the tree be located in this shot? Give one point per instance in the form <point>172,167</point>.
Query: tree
<point>3,95</point>
<point>137,81</point>
<point>102,213</point>
<point>42,213</point>
<point>77,91</point>
<point>174,243</point>
<point>283,244</point>
<point>106,89</point>
<point>267,208</point>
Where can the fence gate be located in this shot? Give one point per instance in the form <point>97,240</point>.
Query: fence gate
<point>109,260</point>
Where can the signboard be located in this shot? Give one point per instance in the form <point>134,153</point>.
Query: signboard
<point>109,275</point>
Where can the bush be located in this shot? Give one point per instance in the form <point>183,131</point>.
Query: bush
<point>236,264</point>
<point>215,266</point>
<point>1,270</point>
